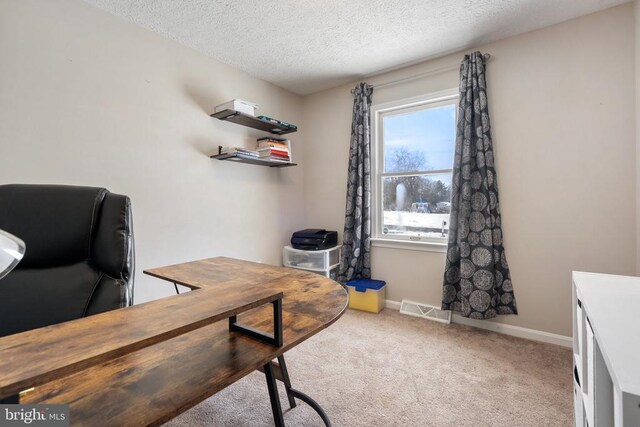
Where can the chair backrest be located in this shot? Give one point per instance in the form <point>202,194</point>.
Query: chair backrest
<point>79,259</point>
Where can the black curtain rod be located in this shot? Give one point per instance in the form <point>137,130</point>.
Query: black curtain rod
<point>486,57</point>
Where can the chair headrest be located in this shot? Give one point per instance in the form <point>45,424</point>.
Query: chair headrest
<point>56,222</point>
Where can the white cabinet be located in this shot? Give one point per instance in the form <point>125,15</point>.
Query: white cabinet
<point>577,401</point>
<point>589,382</point>
<point>606,350</point>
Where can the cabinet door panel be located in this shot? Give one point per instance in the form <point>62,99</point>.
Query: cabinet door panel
<point>588,382</point>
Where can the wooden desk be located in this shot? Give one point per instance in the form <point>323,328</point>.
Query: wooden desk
<point>150,384</point>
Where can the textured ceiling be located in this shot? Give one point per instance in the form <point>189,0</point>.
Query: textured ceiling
<point>310,45</point>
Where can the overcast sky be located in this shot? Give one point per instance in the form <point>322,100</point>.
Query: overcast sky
<point>430,131</point>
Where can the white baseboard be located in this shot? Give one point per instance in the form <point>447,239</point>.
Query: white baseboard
<point>393,305</point>
<point>516,331</point>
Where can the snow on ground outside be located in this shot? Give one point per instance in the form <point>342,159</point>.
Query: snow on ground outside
<point>418,223</point>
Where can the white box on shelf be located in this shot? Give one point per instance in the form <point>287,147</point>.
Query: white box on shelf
<point>239,105</point>
<point>311,260</point>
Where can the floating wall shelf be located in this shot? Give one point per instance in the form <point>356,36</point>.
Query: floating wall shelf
<point>252,122</point>
<point>239,158</point>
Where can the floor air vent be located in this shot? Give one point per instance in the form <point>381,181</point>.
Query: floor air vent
<point>425,311</point>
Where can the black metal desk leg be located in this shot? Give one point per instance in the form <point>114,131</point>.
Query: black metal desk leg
<point>278,420</point>
<point>286,381</point>
<point>293,393</point>
<point>309,401</point>
<point>275,339</point>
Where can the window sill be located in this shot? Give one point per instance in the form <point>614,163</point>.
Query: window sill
<point>409,245</point>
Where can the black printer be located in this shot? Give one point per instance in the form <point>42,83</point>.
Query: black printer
<point>314,239</point>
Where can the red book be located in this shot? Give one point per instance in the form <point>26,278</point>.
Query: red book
<point>279,145</point>
<point>264,152</point>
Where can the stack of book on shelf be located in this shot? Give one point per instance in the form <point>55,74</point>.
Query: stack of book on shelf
<point>240,152</point>
<point>276,149</point>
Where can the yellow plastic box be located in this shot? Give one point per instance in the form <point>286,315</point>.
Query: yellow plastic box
<point>367,294</point>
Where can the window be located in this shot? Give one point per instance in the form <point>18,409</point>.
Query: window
<point>412,168</point>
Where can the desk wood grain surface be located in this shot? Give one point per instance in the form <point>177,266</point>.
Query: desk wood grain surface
<point>154,384</point>
<point>73,346</point>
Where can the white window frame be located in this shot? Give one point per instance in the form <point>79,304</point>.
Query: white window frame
<point>421,243</point>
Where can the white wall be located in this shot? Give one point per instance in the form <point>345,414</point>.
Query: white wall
<point>636,9</point>
<point>89,99</point>
<point>563,122</point>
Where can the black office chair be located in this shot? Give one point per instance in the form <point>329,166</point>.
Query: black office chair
<point>79,259</point>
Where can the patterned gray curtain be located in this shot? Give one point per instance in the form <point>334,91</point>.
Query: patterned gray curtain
<point>477,281</point>
<point>356,249</point>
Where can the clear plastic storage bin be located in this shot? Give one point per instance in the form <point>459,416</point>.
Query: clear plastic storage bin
<point>331,273</point>
<point>311,260</point>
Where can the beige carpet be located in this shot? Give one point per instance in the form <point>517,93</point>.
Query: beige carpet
<point>395,370</point>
